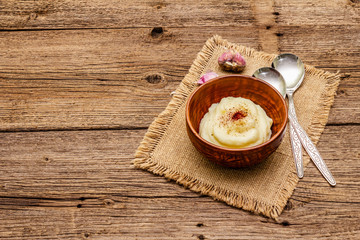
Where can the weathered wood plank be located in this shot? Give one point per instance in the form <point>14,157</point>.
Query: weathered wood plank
<point>89,76</point>
<point>176,218</point>
<point>116,14</point>
<point>334,13</point>
<point>83,79</point>
<point>58,14</point>
<point>82,183</point>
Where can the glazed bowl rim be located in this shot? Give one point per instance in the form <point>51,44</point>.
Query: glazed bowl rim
<point>272,139</point>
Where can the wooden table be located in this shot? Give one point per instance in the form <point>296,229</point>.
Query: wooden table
<point>82,80</point>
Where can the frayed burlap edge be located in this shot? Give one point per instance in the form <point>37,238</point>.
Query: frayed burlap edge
<point>143,156</point>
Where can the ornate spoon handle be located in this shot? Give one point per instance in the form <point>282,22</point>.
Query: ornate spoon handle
<point>297,152</point>
<point>312,151</point>
<point>295,141</point>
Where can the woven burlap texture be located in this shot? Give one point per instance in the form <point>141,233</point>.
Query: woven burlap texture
<point>264,189</point>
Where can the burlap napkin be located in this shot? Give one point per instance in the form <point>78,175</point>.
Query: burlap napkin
<point>167,151</point>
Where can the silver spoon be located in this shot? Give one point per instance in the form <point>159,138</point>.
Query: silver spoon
<point>272,76</point>
<point>269,75</point>
<point>292,69</point>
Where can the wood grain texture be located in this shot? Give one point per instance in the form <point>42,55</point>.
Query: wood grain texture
<point>107,67</point>
<point>60,14</point>
<point>66,14</point>
<point>83,184</point>
<point>82,79</point>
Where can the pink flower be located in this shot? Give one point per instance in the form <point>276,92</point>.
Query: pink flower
<point>206,77</point>
<point>225,57</point>
<point>239,59</point>
<point>230,61</point>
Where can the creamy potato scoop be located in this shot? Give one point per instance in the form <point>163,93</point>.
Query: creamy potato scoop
<point>236,123</point>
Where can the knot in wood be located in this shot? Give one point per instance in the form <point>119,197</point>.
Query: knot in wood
<point>201,237</point>
<point>108,202</point>
<point>285,223</point>
<point>157,32</point>
<point>153,78</point>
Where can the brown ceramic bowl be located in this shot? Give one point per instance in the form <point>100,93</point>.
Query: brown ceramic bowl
<point>251,88</point>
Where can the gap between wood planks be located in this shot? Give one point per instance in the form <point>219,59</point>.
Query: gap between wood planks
<point>89,28</point>
<point>125,128</point>
<point>74,129</point>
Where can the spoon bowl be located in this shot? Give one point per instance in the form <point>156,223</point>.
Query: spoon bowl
<point>291,68</point>
<point>273,77</point>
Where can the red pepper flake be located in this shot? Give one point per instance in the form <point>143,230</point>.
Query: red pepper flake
<point>238,115</point>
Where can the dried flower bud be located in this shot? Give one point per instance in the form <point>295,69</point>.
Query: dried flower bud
<point>225,57</point>
<point>239,59</point>
<point>234,62</point>
<point>206,77</point>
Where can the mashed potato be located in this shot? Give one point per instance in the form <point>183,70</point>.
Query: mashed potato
<point>236,123</point>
